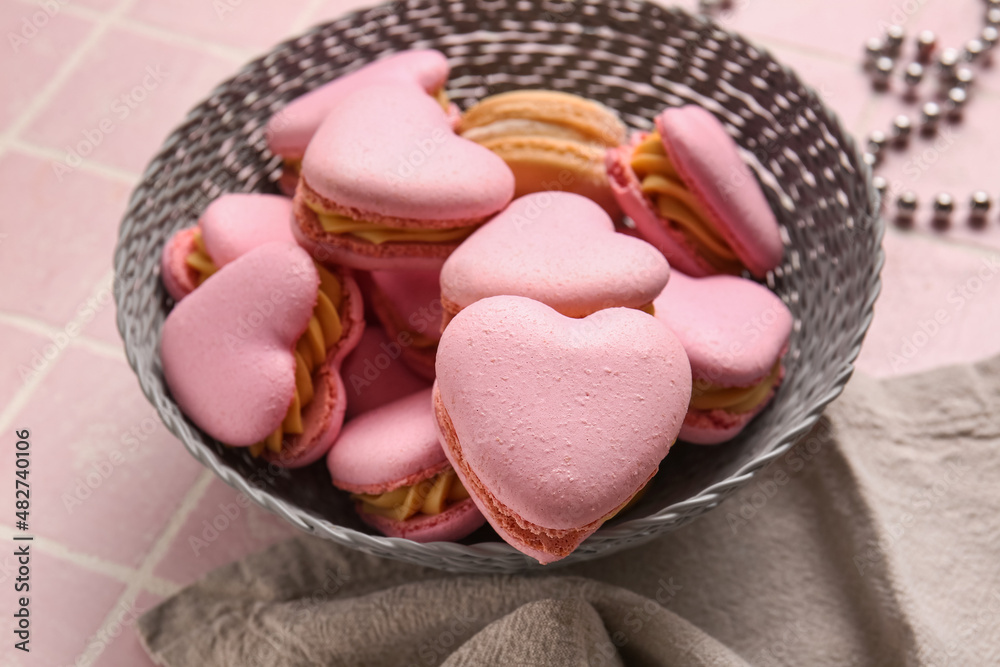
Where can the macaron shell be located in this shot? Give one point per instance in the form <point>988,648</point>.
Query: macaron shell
<point>453,524</point>
<point>648,225</point>
<point>290,130</point>
<point>550,140</point>
<point>560,249</point>
<point>389,154</point>
<point>562,420</point>
<point>733,329</point>
<point>236,223</point>
<point>708,161</point>
<point>177,276</point>
<point>540,164</point>
<point>392,446</point>
<point>226,347</point>
<point>414,298</point>
<point>374,374</point>
<point>523,536</point>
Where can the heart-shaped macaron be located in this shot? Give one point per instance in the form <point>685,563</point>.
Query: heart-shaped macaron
<point>391,460</point>
<point>558,248</point>
<point>386,183</point>
<point>290,129</point>
<point>735,332</point>
<point>553,424</point>
<point>253,355</point>
<point>691,195</point>
<point>231,226</point>
<point>229,359</point>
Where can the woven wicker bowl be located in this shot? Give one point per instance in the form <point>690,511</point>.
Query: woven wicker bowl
<point>636,58</point>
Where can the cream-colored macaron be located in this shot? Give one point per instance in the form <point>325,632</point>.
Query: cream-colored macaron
<point>550,140</point>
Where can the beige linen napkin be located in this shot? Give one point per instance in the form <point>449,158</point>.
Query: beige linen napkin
<point>876,541</point>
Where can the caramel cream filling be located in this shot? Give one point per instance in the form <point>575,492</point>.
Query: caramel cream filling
<point>431,496</point>
<point>323,331</point>
<point>673,201</point>
<point>736,400</point>
<point>334,223</point>
<point>200,260</point>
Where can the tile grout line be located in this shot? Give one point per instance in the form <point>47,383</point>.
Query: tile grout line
<point>143,578</point>
<point>70,10</point>
<point>142,29</point>
<point>89,166</point>
<point>27,389</point>
<point>96,564</point>
<point>69,66</point>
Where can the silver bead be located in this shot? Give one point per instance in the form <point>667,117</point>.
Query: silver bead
<point>894,36</point>
<point>907,202</point>
<point>979,208</point>
<point>944,206</point>
<point>947,62</point>
<point>874,49</point>
<point>926,44</point>
<point>993,16</point>
<point>989,37</point>
<point>870,159</point>
<point>964,77</point>
<point>957,97</point>
<point>883,72</point>
<point>914,74</point>
<point>931,116</point>
<point>882,187</point>
<point>902,126</point>
<point>877,141</point>
<point>944,203</point>
<point>973,50</point>
<point>906,206</point>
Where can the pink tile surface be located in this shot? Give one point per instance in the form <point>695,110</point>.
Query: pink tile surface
<point>82,211</point>
<point>39,41</point>
<point>940,303</point>
<point>136,89</point>
<point>119,645</point>
<point>104,326</point>
<point>225,526</point>
<point>67,605</point>
<point>98,5</point>
<point>837,28</point>
<point>255,24</point>
<point>334,9</point>
<point>18,356</point>
<point>117,474</point>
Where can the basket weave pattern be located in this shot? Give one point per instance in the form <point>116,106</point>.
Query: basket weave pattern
<point>634,57</point>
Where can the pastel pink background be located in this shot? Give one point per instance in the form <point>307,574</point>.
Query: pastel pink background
<point>118,502</point>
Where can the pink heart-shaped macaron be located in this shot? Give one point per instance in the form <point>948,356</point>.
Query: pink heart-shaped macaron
<point>387,184</point>
<point>735,333</point>
<point>553,423</point>
<point>227,348</point>
<point>558,248</point>
<point>231,226</point>
<point>390,152</point>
